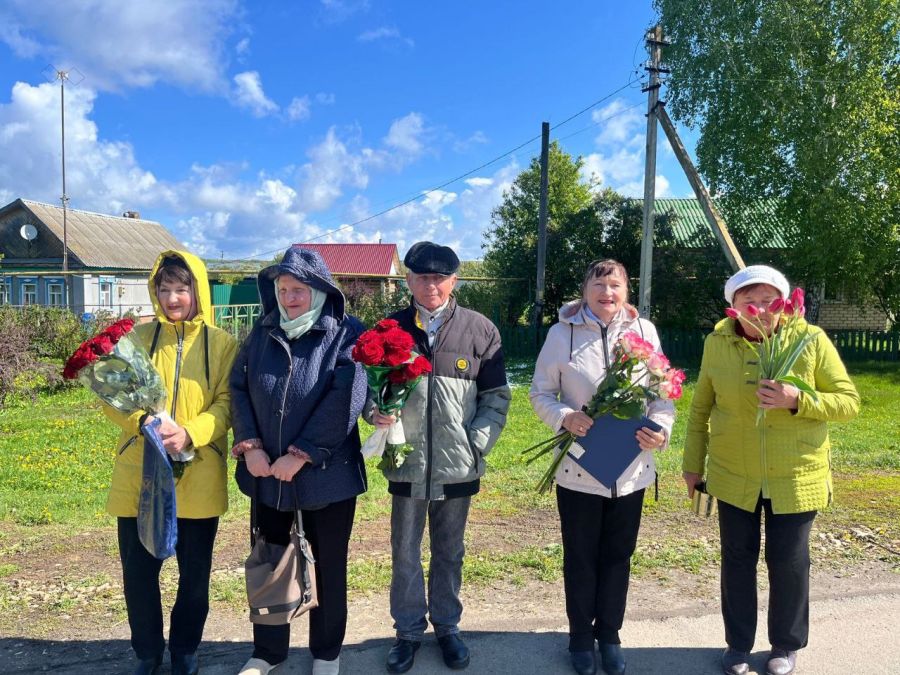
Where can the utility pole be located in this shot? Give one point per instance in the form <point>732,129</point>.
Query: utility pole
<point>713,217</point>
<point>655,42</point>
<point>542,233</point>
<point>62,76</point>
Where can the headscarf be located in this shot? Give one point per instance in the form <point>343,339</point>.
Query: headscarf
<point>294,328</point>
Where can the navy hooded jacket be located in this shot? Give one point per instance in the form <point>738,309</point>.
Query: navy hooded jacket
<point>306,392</point>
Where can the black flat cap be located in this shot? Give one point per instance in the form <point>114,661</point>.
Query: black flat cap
<point>425,257</point>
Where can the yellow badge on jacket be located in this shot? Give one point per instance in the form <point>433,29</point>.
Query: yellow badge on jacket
<point>462,365</point>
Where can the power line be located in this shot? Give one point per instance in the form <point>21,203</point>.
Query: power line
<point>458,178</point>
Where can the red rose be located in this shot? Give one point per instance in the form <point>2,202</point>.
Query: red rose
<point>82,357</point>
<point>368,352</point>
<point>398,340</point>
<point>119,329</point>
<point>392,358</point>
<point>386,325</point>
<point>398,376</point>
<point>417,368</point>
<point>102,344</point>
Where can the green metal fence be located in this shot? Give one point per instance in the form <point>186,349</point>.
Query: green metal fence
<point>681,345</point>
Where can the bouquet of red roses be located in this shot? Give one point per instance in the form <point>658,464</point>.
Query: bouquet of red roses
<point>393,370</point>
<point>116,367</point>
<point>638,374</point>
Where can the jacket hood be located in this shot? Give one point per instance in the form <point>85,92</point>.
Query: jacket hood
<point>309,268</point>
<point>573,313</point>
<point>201,287</point>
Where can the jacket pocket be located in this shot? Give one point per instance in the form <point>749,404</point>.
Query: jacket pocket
<point>127,444</point>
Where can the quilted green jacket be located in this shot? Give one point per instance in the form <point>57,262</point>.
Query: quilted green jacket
<point>791,452</point>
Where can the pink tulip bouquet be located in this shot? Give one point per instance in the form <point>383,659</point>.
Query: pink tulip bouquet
<point>779,352</point>
<point>638,374</point>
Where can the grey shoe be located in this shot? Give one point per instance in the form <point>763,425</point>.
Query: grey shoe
<point>781,662</point>
<point>735,662</point>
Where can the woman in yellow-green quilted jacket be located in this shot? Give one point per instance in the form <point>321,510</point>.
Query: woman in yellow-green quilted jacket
<point>781,468</point>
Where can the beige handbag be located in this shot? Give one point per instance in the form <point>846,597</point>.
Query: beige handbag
<point>703,503</point>
<point>281,580</point>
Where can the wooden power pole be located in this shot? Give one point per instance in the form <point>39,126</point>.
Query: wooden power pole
<point>654,45</point>
<point>713,217</point>
<point>542,233</point>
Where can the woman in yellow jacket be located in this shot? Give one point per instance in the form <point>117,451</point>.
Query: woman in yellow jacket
<point>788,476</point>
<point>194,360</point>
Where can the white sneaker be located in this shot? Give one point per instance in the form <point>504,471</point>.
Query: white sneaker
<point>321,667</point>
<point>257,667</point>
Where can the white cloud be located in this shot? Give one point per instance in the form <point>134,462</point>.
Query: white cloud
<point>248,93</point>
<point>125,44</point>
<point>389,35</point>
<point>335,11</point>
<point>325,98</point>
<point>620,123</point>
<point>464,145</point>
<point>405,135</point>
<point>298,109</point>
<point>242,48</point>
<point>331,166</point>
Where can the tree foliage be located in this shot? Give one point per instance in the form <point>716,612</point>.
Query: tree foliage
<point>587,224</point>
<point>798,101</point>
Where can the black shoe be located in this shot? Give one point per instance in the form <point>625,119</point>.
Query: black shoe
<point>735,662</point>
<point>148,666</point>
<point>185,664</point>
<point>456,654</point>
<point>612,658</point>
<point>402,654</point>
<point>781,662</point>
<point>584,663</point>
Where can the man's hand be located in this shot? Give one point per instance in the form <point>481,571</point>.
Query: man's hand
<point>287,466</point>
<point>258,463</point>
<point>383,421</point>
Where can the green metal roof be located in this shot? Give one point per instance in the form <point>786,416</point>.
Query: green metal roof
<point>758,225</point>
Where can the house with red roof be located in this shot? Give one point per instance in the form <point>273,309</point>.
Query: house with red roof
<point>360,269</point>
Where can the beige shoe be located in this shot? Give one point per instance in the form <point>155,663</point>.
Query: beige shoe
<point>321,667</point>
<point>257,667</point>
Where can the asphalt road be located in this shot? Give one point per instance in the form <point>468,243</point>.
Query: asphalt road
<point>855,634</point>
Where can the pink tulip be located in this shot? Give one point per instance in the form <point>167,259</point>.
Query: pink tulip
<point>788,308</point>
<point>752,310</point>
<point>776,306</point>
<point>732,313</point>
<point>797,297</point>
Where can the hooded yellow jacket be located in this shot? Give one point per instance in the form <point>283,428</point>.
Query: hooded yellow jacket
<point>198,399</point>
<point>791,453</point>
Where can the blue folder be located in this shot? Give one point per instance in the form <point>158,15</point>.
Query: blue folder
<point>609,447</point>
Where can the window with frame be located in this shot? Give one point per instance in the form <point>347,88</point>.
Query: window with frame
<point>29,293</point>
<point>5,291</point>
<point>55,293</point>
<point>105,294</point>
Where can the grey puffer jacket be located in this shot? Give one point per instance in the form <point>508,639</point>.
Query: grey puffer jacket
<point>454,416</point>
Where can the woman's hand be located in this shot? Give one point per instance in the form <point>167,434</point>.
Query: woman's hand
<point>772,394</point>
<point>691,480</point>
<point>649,439</point>
<point>258,462</point>
<point>383,421</point>
<point>287,466</point>
<point>578,423</point>
<point>174,437</point>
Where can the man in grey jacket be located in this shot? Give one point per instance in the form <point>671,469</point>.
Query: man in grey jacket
<point>452,420</point>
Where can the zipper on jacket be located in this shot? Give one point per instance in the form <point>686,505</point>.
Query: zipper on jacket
<point>127,444</point>
<point>613,492</point>
<point>428,458</point>
<point>178,352</point>
<point>281,412</point>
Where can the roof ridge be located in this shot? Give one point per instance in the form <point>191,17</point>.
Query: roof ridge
<point>92,213</point>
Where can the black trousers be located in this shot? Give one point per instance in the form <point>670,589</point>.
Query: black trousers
<point>599,536</point>
<point>328,531</point>
<point>787,559</point>
<point>140,575</point>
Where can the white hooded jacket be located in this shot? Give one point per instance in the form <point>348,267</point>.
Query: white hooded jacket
<point>572,363</point>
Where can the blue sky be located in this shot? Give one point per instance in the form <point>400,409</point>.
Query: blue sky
<point>246,126</point>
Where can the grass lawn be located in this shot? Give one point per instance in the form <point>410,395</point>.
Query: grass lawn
<point>56,456</point>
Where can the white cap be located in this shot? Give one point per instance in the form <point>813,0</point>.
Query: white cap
<point>756,274</point>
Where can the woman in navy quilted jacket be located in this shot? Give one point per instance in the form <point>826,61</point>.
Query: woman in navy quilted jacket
<point>296,395</point>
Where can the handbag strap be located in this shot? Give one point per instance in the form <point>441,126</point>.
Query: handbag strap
<point>254,516</point>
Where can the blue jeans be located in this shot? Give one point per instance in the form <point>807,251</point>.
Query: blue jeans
<point>446,527</point>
